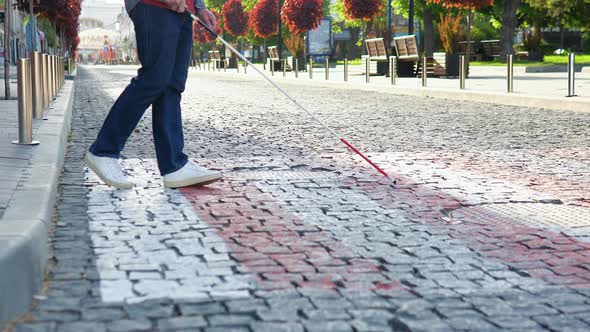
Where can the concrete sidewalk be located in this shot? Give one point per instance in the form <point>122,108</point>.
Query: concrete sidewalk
<point>28,187</point>
<point>485,84</point>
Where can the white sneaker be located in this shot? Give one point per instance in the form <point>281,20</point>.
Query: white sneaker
<point>108,170</point>
<point>190,175</point>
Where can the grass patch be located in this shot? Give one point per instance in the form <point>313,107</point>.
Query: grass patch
<point>351,62</point>
<point>550,60</point>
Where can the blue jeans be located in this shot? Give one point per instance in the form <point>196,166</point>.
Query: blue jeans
<point>164,43</point>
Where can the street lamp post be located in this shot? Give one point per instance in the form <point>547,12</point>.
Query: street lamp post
<point>411,18</point>
<point>280,46</point>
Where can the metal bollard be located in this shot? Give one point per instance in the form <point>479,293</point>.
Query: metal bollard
<point>224,65</point>
<point>310,68</point>
<point>63,71</point>
<point>368,70</point>
<point>327,65</point>
<point>245,68</point>
<point>296,67</point>
<point>25,103</point>
<point>55,79</point>
<point>272,68</point>
<point>37,82</point>
<point>60,71</point>
<point>284,67</point>
<point>51,81</point>
<point>237,66</point>
<point>510,73</point>
<point>462,72</point>
<point>46,86</point>
<point>345,70</point>
<point>55,84</point>
<point>424,71</point>
<point>392,69</point>
<point>571,75</point>
<point>57,76</point>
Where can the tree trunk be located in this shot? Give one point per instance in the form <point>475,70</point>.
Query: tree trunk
<point>428,29</point>
<point>509,24</point>
<point>7,34</point>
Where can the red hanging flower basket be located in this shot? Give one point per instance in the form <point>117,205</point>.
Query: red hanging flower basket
<point>302,15</point>
<point>264,18</point>
<point>235,19</point>
<point>362,9</point>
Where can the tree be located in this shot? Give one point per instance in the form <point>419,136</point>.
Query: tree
<point>563,13</point>
<point>509,24</point>
<point>235,18</point>
<point>469,6</point>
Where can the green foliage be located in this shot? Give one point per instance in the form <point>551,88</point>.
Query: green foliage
<point>215,4</point>
<point>249,4</point>
<point>483,28</point>
<point>450,31</point>
<point>45,25</point>
<point>569,13</point>
<point>586,42</point>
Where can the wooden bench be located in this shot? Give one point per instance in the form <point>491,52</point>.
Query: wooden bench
<point>474,55</point>
<point>490,49</point>
<point>216,57</point>
<point>377,52</point>
<point>274,57</point>
<point>406,49</point>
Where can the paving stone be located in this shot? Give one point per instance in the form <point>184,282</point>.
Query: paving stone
<point>508,322</point>
<point>149,310</point>
<point>560,323</point>
<point>229,320</point>
<point>190,309</point>
<point>125,325</point>
<point>227,329</point>
<point>102,314</point>
<point>87,326</point>
<point>249,305</point>
<point>178,323</point>
<point>35,327</point>
<point>284,315</point>
<point>326,314</point>
<point>334,326</point>
<point>276,327</point>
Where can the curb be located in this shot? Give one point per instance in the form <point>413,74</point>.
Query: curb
<point>575,104</point>
<point>25,224</point>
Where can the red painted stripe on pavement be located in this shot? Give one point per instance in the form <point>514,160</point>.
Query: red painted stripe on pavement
<point>280,249</point>
<point>556,258</point>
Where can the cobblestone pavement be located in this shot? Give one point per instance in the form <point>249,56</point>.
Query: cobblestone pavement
<point>488,228</point>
